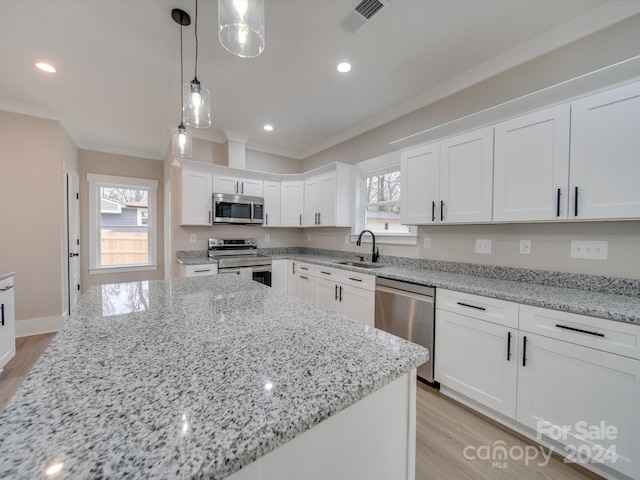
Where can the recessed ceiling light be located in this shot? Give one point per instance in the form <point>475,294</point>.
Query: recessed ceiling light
<point>46,67</point>
<point>268,128</point>
<point>344,67</point>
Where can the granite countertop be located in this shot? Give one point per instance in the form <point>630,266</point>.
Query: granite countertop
<point>189,378</point>
<point>624,308</point>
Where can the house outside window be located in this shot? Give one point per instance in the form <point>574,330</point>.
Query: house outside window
<point>122,224</point>
<point>381,203</point>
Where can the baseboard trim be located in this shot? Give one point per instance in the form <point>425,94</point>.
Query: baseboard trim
<point>36,326</point>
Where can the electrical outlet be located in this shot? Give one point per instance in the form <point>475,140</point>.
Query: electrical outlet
<point>427,242</point>
<point>525,247</point>
<point>589,249</point>
<point>346,239</point>
<point>267,237</point>
<point>309,238</point>
<point>483,245</point>
<point>193,238</point>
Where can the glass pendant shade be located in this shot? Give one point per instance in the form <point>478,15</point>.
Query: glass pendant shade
<point>196,110</point>
<point>241,26</point>
<point>182,142</point>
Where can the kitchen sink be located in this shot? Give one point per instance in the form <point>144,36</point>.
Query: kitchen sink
<point>361,264</point>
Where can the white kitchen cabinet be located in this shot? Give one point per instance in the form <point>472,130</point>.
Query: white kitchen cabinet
<point>292,205</point>
<point>198,270</point>
<point>419,183</point>
<point>605,163</point>
<point>279,275</point>
<point>358,304</point>
<point>476,348</point>
<point>238,185</point>
<point>196,197</point>
<point>328,199</point>
<point>301,281</point>
<point>449,181</point>
<point>272,202</point>
<point>7,321</point>
<point>531,166</point>
<point>564,389</point>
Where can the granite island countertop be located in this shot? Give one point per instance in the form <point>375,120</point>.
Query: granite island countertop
<point>4,276</point>
<point>189,378</point>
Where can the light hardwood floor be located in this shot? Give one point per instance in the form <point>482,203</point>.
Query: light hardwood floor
<point>444,429</point>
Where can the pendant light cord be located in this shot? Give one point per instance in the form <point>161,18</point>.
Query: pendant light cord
<point>181,78</point>
<point>196,30</point>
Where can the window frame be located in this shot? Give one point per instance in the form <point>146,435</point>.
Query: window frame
<point>397,238</point>
<point>96,181</point>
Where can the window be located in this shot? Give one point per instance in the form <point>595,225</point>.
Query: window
<point>381,204</point>
<point>122,224</point>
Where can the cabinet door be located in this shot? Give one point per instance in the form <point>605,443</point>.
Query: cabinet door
<point>564,389</point>
<point>605,158</point>
<point>292,195</point>
<point>7,327</point>
<point>224,184</point>
<point>358,304</point>
<point>466,177</point>
<point>279,275</point>
<point>306,287</point>
<point>477,359</point>
<point>312,201</point>
<point>255,188</point>
<point>292,280</point>
<point>531,166</point>
<point>271,204</point>
<point>327,206</point>
<point>196,197</point>
<point>419,180</point>
<point>327,294</point>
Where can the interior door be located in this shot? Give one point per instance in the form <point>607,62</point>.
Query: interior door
<point>73,237</point>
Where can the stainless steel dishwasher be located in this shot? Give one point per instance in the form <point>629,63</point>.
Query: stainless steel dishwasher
<point>407,310</point>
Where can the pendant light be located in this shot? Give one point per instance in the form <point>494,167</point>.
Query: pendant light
<point>241,26</point>
<point>196,109</point>
<point>181,138</point>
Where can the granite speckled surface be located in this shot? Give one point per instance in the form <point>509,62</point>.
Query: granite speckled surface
<point>188,378</point>
<point>4,276</point>
<point>604,297</point>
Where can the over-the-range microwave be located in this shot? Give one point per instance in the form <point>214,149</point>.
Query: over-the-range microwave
<point>241,209</point>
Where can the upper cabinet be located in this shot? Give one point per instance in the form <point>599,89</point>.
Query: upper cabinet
<point>328,199</point>
<point>196,197</point>
<point>292,203</point>
<point>272,202</point>
<point>236,185</point>
<point>605,155</point>
<point>531,166</point>
<point>449,181</point>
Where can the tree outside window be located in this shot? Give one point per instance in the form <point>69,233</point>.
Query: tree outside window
<point>382,203</point>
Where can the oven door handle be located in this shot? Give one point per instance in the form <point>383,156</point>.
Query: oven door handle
<point>263,268</point>
<point>224,271</point>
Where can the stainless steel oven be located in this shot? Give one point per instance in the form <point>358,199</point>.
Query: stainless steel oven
<point>240,257</point>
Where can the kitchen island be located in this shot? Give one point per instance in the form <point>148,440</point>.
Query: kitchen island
<point>213,377</point>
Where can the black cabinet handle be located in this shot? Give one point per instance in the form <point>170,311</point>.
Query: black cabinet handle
<point>200,271</point>
<point>2,308</point>
<point>441,210</point>
<point>336,293</point>
<point>293,268</point>
<point>209,216</point>
<point>558,204</point>
<point>340,298</point>
<point>524,352</point>
<point>575,206</point>
<point>433,211</point>
<point>471,306</point>
<point>325,273</point>
<point>304,278</point>
<point>355,279</point>
<point>300,219</point>
<point>319,218</point>
<point>508,346</point>
<point>597,334</point>
<point>266,219</point>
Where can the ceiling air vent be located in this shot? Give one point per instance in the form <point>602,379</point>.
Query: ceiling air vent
<point>361,14</point>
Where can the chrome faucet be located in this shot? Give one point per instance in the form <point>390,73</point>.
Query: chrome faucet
<point>375,253</point>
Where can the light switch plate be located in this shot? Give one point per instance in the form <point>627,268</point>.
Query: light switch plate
<point>193,238</point>
<point>483,245</point>
<point>427,242</point>
<point>525,247</point>
<point>309,238</point>
<point>589,249</point>
<point>267,237</point>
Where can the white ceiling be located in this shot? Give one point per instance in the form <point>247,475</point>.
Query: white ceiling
<point>118,80</point>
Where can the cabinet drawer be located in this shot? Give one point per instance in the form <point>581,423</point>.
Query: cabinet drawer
<point>484,308</point>
<point>357,279</point>
<point>200,270</point>
<point>301,267</point>
<point>606,335</point>
<point>327,272</point>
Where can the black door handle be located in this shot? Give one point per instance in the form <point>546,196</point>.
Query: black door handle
<point>524,352</point>
<point>558,204</point>
<point>508,346</point>
<point>575,206</point>
<point>2,308</point>
<point>433,211</point>
<point>441,210</point>
<point>73,255</point>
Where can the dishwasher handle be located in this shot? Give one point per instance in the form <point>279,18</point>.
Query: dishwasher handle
<point>404,293</point>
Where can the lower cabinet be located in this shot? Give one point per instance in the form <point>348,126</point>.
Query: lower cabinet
<point>572,380</point>
<point>198,270</point>
<point>351,294</point>
<point>7,322</point>
<point>279,275</point>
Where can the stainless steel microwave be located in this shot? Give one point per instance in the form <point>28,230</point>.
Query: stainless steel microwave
<point>230,208</point>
